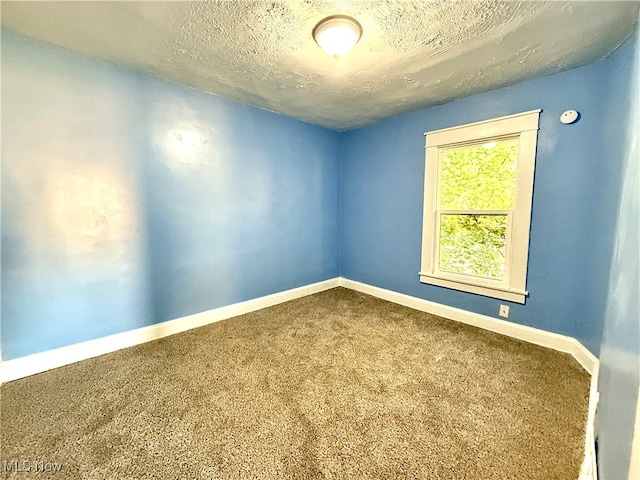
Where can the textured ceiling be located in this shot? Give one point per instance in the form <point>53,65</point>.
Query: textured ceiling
<point>412,53</point>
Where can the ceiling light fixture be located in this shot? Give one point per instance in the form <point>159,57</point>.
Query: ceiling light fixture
<point>337,35</point>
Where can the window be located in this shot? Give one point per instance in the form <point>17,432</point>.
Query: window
<point>477,206</point>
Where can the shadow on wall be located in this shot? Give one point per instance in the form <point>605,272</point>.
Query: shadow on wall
<point>620,352</point>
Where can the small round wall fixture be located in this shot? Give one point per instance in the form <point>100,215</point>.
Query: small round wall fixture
<point>570,116</point>
<point>337,35</point>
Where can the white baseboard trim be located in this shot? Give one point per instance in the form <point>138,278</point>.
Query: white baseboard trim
<point>41,362</point>
<point>589,468</point>
<point>543,338</point>
<point>555,341</point>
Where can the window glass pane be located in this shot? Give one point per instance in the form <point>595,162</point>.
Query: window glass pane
<point>479,177</point>
<point>473,245</point>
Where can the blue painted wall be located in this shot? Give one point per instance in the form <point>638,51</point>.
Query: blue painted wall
<point>570,246</point>
<point>620,351</point>
<point>128,200</point>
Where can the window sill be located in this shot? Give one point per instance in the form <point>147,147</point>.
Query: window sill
<point>510,295</point>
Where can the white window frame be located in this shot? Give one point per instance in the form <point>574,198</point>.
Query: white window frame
<point>512,287</point>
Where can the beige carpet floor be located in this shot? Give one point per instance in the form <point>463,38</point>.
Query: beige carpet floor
<point>335,385</point>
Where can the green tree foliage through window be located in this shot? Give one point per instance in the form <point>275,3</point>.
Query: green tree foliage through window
<point>475,198</point>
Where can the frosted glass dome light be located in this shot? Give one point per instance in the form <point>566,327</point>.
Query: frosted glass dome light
<point>337,35</point>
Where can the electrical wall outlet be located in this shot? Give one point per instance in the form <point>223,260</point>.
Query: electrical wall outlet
<point>504,311</point>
